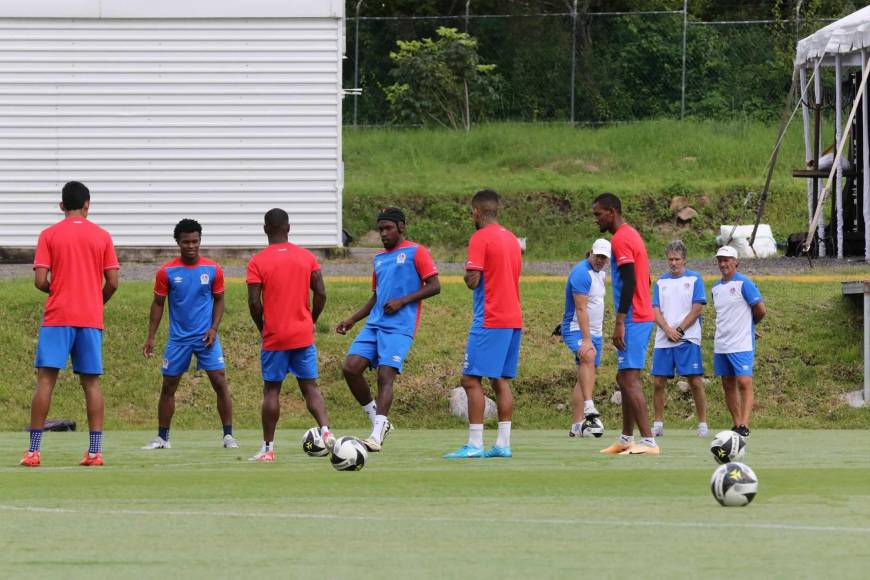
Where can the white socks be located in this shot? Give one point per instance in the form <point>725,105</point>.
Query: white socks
<point>378,428</point>
<point>626,439</point>
<point>370,411</point>
<point>475,435</point>
<point>649,441</point>
<point>504,434</point>
<point>268,446</point>
<point>589,407</point>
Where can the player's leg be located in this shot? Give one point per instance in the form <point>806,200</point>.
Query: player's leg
<point>732,399</point>
<point>314,402</point>
<point>274,366</point>
<point>696,383</point>
<point>211,360</point>
<point>572,342</point>
<point>662,371</point>
<point>363,354</point>
<point>381,426</point>
<point>52,350</point>
<point>747,400</point>
<point>690,365</point>
<point>176,361</point>
<point>626,437</point>
<point>87,362</point>
<point>303,365</point>
<point>504,397</point>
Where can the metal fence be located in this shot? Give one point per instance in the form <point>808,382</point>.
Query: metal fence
<point>594,68</point>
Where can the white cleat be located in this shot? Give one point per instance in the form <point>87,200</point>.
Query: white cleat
<point>230,442</point>
<point>658,431</point>
<point>374,443</point>
<point>158,443</point>
<point>703,431</point>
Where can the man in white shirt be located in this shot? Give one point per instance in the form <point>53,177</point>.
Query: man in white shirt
<point>582,333</point>
<point>739,307</point>
<point>678,301</point>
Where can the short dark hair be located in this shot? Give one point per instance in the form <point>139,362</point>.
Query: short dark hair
<point>487,201</point>
<point>392,214</point>
<point>276,218</point>
<point>187,226</point>
<point>75,195</point>
<point>609,201</point>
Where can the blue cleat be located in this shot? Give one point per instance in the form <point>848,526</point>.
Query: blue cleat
<point>466,452</point>
<point>498,452</point>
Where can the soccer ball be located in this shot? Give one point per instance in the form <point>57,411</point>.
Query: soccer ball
<point>312,443</point>
<point>734,484</point>
<point>592,428</point>
<point>349,454</point>
<point>728,446</point>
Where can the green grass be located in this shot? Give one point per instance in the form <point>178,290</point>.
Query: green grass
<point>549,175</point>
<point>557,509</point>
<point>810,354</point>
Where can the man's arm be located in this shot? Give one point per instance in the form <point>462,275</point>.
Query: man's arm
<point>217,312</point>
<point>581,306</point>
<point>111,285</point>
<point>154,318</point>
<point>672,334</point>
<point>348,323</point>
<point>629,282</point>
<point>255,304</point>
<point>472,279</point>
<point>758,312</point>
<point>692,316</point>
<point>319,289</point>
<point>430,287</point>
<point>41,281</point>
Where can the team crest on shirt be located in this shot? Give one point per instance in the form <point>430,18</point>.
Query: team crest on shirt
<point>203,279</point>
<point>733,291</point>
<point>687,285</point>
<point>178,280</point>
<point>400,259</point>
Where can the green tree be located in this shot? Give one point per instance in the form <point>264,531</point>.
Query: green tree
<point>441,81</point>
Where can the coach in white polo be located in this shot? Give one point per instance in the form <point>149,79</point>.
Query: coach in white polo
<point>678,301</point>
<point>739,307</point>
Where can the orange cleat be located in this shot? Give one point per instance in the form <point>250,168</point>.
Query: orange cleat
<point>264,456</point>
<point>30,459</point>
<point>617,448</point>
<point>92,459</point>
<point>642,449</point>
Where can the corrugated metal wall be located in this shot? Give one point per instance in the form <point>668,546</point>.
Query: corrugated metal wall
<point>213,119</point>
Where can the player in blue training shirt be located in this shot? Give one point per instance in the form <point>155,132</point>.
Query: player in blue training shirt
<point>404,275</point>
<point>195,288</point>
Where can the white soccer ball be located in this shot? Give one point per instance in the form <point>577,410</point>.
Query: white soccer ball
<point>734,484</point>
<point>592,428</point>
<point>349,454</point>
<point>312,443</point>
<point>728,446</point>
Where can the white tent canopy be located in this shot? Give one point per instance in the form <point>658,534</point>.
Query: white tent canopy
<point>846,36</point>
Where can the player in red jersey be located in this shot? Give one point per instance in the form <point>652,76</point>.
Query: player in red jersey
<point>279,281</point>
<point>629,266</point>
<point>492,272</point>
<point>73,259</point>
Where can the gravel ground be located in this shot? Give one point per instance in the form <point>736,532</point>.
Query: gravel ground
<point>362,267</point>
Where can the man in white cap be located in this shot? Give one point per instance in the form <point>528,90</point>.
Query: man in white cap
<point>582,333</point>
<point>739,307</point>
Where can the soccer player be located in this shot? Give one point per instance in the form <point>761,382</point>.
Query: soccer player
<point>492,271</point>
<point>739,307</point>
<point>403,276</point>
<point>629,266</point>
<point>582,329</point>
<point>279,280</point>
<point>678,301</point>
<point>195,288</point>
<point>73,259</point>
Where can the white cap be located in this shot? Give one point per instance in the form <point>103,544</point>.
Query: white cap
<point>726,252</point>
<point>601,247</point>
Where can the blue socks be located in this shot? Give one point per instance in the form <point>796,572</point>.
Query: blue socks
<point>163,433</point>
<point>35,439</point>
<point>228,430</point>
<point>96,445</point>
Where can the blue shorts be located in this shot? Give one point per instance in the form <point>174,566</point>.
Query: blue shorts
<point>685,358</point>
<point>276,364</point>
<point>381,348</point>
<point>83,345</point>
<point>493,353</point>
<point>734,364</point>
<point>572,341</point>
<point>176,357</point>
<point>636,343</point>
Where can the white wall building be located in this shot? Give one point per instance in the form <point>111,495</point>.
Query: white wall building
<point>217,110</point>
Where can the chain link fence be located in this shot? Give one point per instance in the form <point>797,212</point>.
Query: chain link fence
<point>595,68</point>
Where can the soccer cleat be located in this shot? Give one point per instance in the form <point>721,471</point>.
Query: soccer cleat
<point>498,452</point>
<point>372,444</point>
<point>617,448</point>
<point>658,430</point>
<point>742,430</point>
<point>264,456</point>
<point>466,452</point>
<point>229,442</point>
<point>92,459</point>
<point>328,440</point>
<point>642,449</point>
<point>703,431</point>
<point>575,430</point>
<point>30,459</point>
<point>159,443</point>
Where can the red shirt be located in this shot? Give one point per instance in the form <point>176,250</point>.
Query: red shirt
<point>77,252</point>
<point>284,271</point>
<point>495,252</point>
<point>628,248</point>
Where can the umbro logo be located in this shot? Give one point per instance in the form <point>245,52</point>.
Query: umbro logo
<point>178,280</point>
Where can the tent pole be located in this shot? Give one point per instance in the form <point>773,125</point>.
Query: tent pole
<point>865,165</point>
<point>817,89</point>
<point>838,132</point>
<point>808,150</point>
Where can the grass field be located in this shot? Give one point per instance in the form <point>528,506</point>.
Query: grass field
<point>558,509</point>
